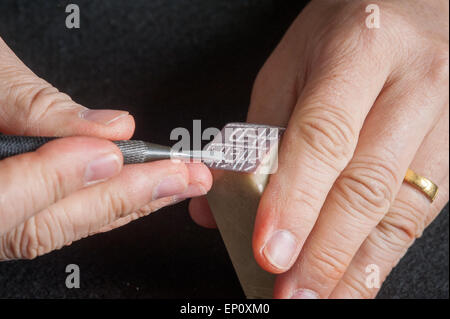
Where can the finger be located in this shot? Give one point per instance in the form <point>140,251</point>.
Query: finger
<point>90,209</point>
<point>279,81</point>
<point>367,187</point>
<point>408,216</point>
<point>200,181</point>
<point>319,142</point>
<point>146,210</point>
<point>30,182</point>
<point>201,212</point>
<point>273,97</point>
<point>31,106</point>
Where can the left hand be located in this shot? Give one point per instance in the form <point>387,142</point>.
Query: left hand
<point>75,186</point>
<point>361,106</point>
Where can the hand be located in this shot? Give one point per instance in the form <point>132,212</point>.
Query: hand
<point>361,105</point>
<point>73,187</point>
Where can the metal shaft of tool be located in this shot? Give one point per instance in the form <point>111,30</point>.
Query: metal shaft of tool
<point>142,152</point>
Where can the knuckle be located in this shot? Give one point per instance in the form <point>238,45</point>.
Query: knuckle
<point>358,23</point>
<point>25,90</point>
<point>367,186</point>
<point>4,252</point>
<point>153,206</point>
<point>361,10</point>
<point>405,220</point>
<point>356,288</point>
<point>51,180</point>
<point>29,243</point>
<point>31,240</point>
<point>14,209</point>
<point>301,198</point>
<point>369,43</point>
<point>40,101</point>
<point>37,236</point>
<point>329,134</point>
<point>304,200</point>
<point>8,247</point>
<point>327,264</point>
<point>351,20</point>
<point>438,71</point>
<point>36,99</point>
<point>114,205</point>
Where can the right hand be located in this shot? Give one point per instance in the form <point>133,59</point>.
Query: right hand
<point>73,187</point>
<point>361,105</point>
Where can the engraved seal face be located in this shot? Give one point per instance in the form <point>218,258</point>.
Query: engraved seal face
<point>244,147</point>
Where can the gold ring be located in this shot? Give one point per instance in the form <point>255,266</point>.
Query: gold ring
<point>423,184</point>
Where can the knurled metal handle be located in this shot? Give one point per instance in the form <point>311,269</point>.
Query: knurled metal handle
<point>10,145</point>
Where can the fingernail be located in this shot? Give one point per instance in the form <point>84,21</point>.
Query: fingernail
<point>104,117</point>
<point>102,168</point>
<point>170,186</point>
<point>304,294</point>
<point>193,190</point>
<point>280,249</point>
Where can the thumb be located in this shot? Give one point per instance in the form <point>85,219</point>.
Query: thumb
<point>31,106</point>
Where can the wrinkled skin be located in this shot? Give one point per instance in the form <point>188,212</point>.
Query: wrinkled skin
<point>361,105</point>
<point>75,186</point>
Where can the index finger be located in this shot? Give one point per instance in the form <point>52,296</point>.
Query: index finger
<point>319,142</point>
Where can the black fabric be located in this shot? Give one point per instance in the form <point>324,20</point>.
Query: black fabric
<point>167,62</point>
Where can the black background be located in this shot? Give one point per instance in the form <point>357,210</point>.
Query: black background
<point>167,62</point>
